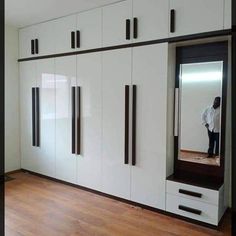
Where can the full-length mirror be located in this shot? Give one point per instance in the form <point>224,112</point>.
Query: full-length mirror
<point>200,104</point>
<point>200,112</point>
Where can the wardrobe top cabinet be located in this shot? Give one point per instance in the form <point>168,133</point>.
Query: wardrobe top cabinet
<point>124,22</point>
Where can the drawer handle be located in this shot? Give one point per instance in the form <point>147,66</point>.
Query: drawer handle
<point>191,210</point>
<point>193,194</point>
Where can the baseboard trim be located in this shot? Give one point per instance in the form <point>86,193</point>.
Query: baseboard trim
<point>135,204</point>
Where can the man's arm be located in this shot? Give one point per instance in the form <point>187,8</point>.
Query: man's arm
<point>204,120</point>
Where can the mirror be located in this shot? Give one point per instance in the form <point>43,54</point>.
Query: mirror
<point>200,93</point>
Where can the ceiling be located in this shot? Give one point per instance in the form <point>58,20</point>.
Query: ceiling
<point>22,13</point>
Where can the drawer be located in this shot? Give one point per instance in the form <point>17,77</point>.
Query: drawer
<point>193,209</point>
<point>193,192</point>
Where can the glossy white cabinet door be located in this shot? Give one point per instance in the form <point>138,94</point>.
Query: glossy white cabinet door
<point>114,23</point>
<point>62,29</point>
<point>89,74</point>
<point>46,38</point>
<point>27,82</point>
<point>65,78</point>
<point>228,14</point>
<point>25,37</point>
<point>150,76</point>
<point>89,23</point>
<point>152,18</point>
<point>116,74</point>
<point>197,16</point>
<point>46,84</point>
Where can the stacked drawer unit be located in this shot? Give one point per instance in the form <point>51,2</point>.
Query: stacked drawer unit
<point>198,203</point>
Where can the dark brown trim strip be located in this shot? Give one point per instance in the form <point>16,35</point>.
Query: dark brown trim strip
<point>134,104</point>
<point>78,120</point>
<point>139,44</point>
<point>126,201</point>
<point>73,119</point>
<point>191,210</point>
<point>126,159</point>
<point>135,29</point>
<point>33,118</point>
<point>37,117</point>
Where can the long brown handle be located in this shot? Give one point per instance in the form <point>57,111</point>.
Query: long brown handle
<point>127,29</point>
<point>33,117</point>
<point>134,125</point>
<point>135,30</point>
<point>172,20</point>
<point>72,39</point>
<point>32,47</point>
<point>191,210</point>
<point>78,121</point>
<point>73,118</point>
<point>37,117</point>
<point>126,156</point>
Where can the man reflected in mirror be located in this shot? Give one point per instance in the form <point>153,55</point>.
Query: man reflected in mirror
<point>211,120</point>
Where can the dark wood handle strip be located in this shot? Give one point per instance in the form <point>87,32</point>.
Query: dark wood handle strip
<point>78,121</point>
<point>73,118</point>
<point>135,30</point>
<point>126,159</point>
<point>191,210</point>
<point>33,117</point>
<point>36,46</point>
<point>172,20</point>
<point>128,29</point>
<point>72,39</point>
<point>190,193</point>
<point>134,125</point>
<point>32,46</point>
<point>78,39</point>
<point>37,117</point>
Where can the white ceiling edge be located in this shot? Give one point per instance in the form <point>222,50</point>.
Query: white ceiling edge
<point>22,13</point>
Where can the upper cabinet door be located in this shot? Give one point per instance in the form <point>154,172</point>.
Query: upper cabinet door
<point>44,34</point>
<point>63,30</point>
<point>26,35</point>
<point>89,29</point>
<point>192,17</point>
<point>150,19</point>
<point>117,23</point>
<point>228,14</point>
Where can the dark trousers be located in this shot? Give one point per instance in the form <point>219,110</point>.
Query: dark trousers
<point>213,143</point>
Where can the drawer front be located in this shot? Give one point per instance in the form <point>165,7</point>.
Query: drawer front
<point>192,209</point>
<point>193,192</point>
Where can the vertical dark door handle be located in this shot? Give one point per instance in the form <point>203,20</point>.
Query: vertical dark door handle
<point>37,117</point>
<point>134,106</point>
<point>36,46</point>
<point>72,39</point>
<point>126,154</point>
<point>78,120</point>
<point>172,20</point>
<point>33,117</point>
<point>73,118</point>
<point>127,29</point>
<point>32,47</point>
<point>135,30</point>
<point>78,39</point>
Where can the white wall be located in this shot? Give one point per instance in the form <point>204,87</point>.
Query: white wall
<point>12,147</point>
<point>199,88</point>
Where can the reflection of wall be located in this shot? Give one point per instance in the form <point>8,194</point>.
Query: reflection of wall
<point>196,96</point>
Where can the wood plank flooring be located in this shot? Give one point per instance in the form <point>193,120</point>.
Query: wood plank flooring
<point>39,207</point>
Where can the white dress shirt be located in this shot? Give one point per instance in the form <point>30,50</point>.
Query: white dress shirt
<point>211,117</point>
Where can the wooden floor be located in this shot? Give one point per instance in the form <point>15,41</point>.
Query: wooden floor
<point>40,207</point>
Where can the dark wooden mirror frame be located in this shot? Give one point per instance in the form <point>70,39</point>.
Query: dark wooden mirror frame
<point>191,171</point>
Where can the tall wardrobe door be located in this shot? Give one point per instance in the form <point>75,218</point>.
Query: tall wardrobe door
<point>46,84</point>
<point>116,75</point>
<point>90,107</point>
<point>27,82</point>
<point>65,79</point>
<point>150,77</point>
